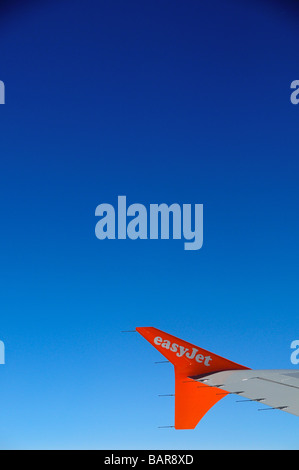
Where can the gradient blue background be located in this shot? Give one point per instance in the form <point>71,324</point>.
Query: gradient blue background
<point>161,101</point>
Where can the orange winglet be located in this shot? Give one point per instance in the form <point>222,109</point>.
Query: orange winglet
<point>192,399</point>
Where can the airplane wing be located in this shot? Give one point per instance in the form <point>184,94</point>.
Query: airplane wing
<point>278,389</point>
<point>202,379</point>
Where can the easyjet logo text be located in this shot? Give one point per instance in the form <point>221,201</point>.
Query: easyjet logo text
<point>180,351</point>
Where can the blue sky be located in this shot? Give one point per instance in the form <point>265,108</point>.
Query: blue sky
<point>161,102</point>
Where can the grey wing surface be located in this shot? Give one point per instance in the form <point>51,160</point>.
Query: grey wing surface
<point>278,389</point>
